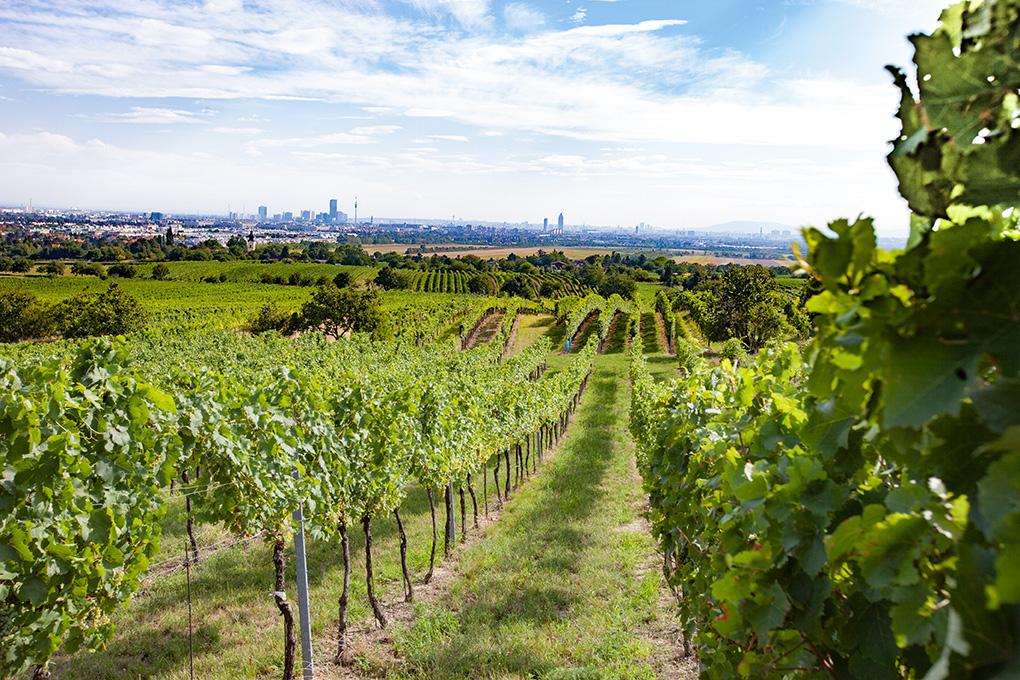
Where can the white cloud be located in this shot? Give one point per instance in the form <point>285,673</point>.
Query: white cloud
<point>642,84</point>
<point>237,130</point>
<point>522,18</point>
<point>579,15</point>
<point>450,138</point>
<point>27,60</point>
<point>470,13</point>
<point>151,116</point>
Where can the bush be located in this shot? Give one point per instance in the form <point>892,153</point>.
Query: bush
<point>161,272</point>
<point>111,312</point>
<point>733,350</point>
<point>6,264</point>
<point>341,280</point>
<point>21,265</point>
<point>88,269</point>
<point>122,271</point>
<point>22,317</point>
<point>52,269</point>
<point>270,318</point>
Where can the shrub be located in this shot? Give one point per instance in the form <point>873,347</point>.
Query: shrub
<point>122,271</point>
<point>110,312</point>
<point>270,318</point>
<point>88,269</point>
<point>733,350</point>
<point>52,269</point>
<point>341,280</point>
<point>22,317</point>
<point>161,272</point>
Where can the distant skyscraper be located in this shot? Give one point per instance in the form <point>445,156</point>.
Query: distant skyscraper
<point>156,217</point>
<point>332,210</point>
<point>263,212</point>
<point>559,222</point>
<point>288,216</point>
<point>306,215</point>
<point>545,224</point>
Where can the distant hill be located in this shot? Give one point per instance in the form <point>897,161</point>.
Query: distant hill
<point>747,227</point>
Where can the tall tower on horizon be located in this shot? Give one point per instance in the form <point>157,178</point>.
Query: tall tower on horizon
<point>332,210</point>
<point>559,223</point>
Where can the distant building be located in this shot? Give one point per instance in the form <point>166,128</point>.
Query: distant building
<point>288,217</point>
<point>545,224</point>
<point>306,215</point>
<point>156,217</point>
<point>559,223</point>
<point>332,210</point>
<point>263,212</point>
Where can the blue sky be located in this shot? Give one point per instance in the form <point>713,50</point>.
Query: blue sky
<point>669,112</point>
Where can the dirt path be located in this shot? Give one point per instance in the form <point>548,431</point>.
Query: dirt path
<point>660,327</point>
<point>484,331</point>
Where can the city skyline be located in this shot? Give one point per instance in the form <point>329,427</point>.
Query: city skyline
<point>625,112</point>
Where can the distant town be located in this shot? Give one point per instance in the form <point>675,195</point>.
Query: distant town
<point>767,242</point>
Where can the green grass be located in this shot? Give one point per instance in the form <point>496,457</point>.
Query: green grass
<point>238,631</point>
<point>650,333</point>
<point>533,327</point>
<point>558,589</point>
<point>173,304</point>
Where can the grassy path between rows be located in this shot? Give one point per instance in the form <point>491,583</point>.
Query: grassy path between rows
<point>566,584</point>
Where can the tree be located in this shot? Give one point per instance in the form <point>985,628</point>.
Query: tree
<point>123,271</point>
<point>169,236</point>
<point>271,318</point>
<point>22,317</point>
<point>88,269</point>
<point>747,307</point>
<point>518,286</point>
<point>389,279</point>
<point>161,272</point>
<point>21,265</point>
<point>110,312</point>
<point>592,274</point>
<point>338,311</point>
<point>550,289</point>
<point>482,284</point>
<point>621,284</point>
<point>342,279</point>
<point>54,269</point>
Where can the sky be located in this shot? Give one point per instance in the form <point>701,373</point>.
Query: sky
<point>674,113</point>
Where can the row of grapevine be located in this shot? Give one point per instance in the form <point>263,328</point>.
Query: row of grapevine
<point>664,307</point>
<point>92,440</point>
<point>574,311</point>
<point>854,513</point>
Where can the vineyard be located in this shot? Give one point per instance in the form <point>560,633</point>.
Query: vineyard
<point>576,487</point>
<point>849,509</point>
<point>435,281</point>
